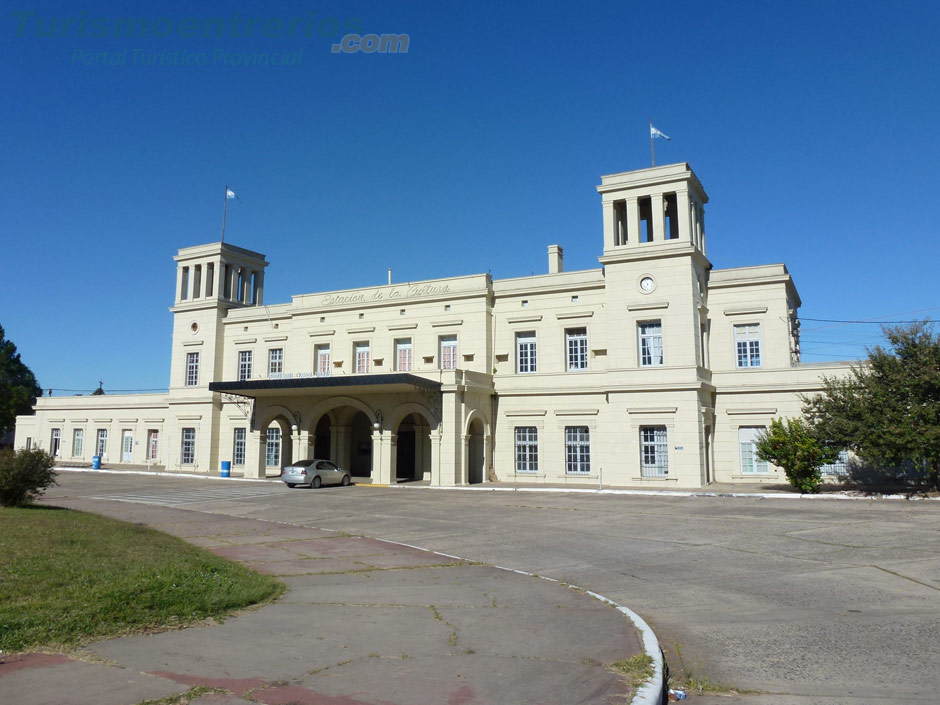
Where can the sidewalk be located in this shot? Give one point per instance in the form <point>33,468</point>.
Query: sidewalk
<point>364,621</point>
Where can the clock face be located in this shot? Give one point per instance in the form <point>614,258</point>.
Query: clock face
<point>647,284</point>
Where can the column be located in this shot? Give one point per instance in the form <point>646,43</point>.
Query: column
<point>659,218</point>
<point>179,283</point>
<point>381,457</point>
<point>233,282</point>
<point>610,225</point>
<point>487,455</point>
<point>633,222</point>
<point>255,447</point>
<point>682,213</point>
<point>463,474</point>
<point>436,456</point>
<point>259,288</point>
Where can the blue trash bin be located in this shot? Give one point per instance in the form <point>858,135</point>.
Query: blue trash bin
<point>226,468</point>
<point>96,462</point>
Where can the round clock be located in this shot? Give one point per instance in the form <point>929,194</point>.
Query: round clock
<point>647,284</point>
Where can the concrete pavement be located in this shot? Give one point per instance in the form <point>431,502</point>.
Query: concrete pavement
<point>364,621</point>
<point>819,601</point>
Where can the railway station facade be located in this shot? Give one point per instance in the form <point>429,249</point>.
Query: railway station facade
<point>654,370</point>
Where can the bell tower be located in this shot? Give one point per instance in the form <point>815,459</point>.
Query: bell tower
<point>651,209</point>
<point>210,280</point>
<point>655,264</point>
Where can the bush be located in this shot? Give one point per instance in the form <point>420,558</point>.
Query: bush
<point>24,476</point>
<point>791,445</point>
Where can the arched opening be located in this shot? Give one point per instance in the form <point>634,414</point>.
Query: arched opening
<point>413,449</point>
<point>276,446</point>
<point>322,446</point>
<point>360,451</point>
<point>476,453</point>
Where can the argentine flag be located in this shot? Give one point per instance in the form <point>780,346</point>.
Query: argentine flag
<point>654,133</point>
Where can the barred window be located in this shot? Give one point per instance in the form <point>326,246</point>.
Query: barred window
<point>747,345</point>
<point>275,361</point>
<point>840,468</point>
<point>244,365</point>
<point>577,450</point>
<point>238,451</point>
<point>527,449</point>
<point>272,449</point>
<point>188,447</point>
<point>750,463</point>
<point>525,352</point>
<point>651,344</point>
<point>576,344</point>
<point>192,369</point>
<point>654,452</point>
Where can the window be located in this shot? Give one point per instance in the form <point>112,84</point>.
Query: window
<point>272,448</point>
<point>188,447</point>
<point>362,356</point>
<point>78,442</point>
<point>448,352</point>
<point>747,345</point>
<point>576,344</point>
<point>192,369</point>
<point>238,450</point>
<point>55,442</point>
<point>323,360</point>
<point>525,352</point>
<point>750,463</point>
<point>651,344</point>
<point>577,450</point>
<point>275,361</point>
<point>403,355</point>
<point>654,452</point>
<point>153,445</point>
<point>839,467</point>
<point>527,449</point>
<point>244,365</point>
<point>101,447</point>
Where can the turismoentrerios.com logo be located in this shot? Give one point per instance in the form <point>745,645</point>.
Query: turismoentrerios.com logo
<point>372,44</point>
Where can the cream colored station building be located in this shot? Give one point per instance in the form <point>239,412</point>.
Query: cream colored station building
<point>653,370</point>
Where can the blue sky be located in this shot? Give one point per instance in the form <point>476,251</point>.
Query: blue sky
<point>813,126</point>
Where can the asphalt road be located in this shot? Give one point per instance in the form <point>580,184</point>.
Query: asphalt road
<point>806,601</point>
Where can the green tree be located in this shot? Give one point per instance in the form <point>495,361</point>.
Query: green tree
<point>887,410</point>
<point>792,445</point>
<point>18,386</point>
<point>24,476</point>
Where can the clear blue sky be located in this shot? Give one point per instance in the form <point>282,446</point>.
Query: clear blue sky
<point>813,126</point>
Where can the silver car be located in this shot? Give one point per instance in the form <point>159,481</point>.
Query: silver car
<point>314,473</point>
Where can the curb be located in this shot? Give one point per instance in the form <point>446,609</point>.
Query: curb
<point>651,692</point>
<point>668,493</point>
<point>563,490</point>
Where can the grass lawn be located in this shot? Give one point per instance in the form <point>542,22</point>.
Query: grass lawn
<point>67,577</point>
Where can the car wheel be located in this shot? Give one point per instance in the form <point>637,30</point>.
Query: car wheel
<point>315,482</point>
<point>345,480</point>
<point>291,484</point>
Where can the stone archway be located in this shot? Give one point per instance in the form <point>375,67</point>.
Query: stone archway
<point>476,452</point>
<point>411,449</point>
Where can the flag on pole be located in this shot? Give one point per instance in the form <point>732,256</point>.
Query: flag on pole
<point>229,193</point>
<point>654,133</point>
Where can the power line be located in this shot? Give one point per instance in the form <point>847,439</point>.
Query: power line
<point>836,320</point>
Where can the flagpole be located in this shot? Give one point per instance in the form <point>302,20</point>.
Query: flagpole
<point>224,209</point>
<point>652,148</point>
